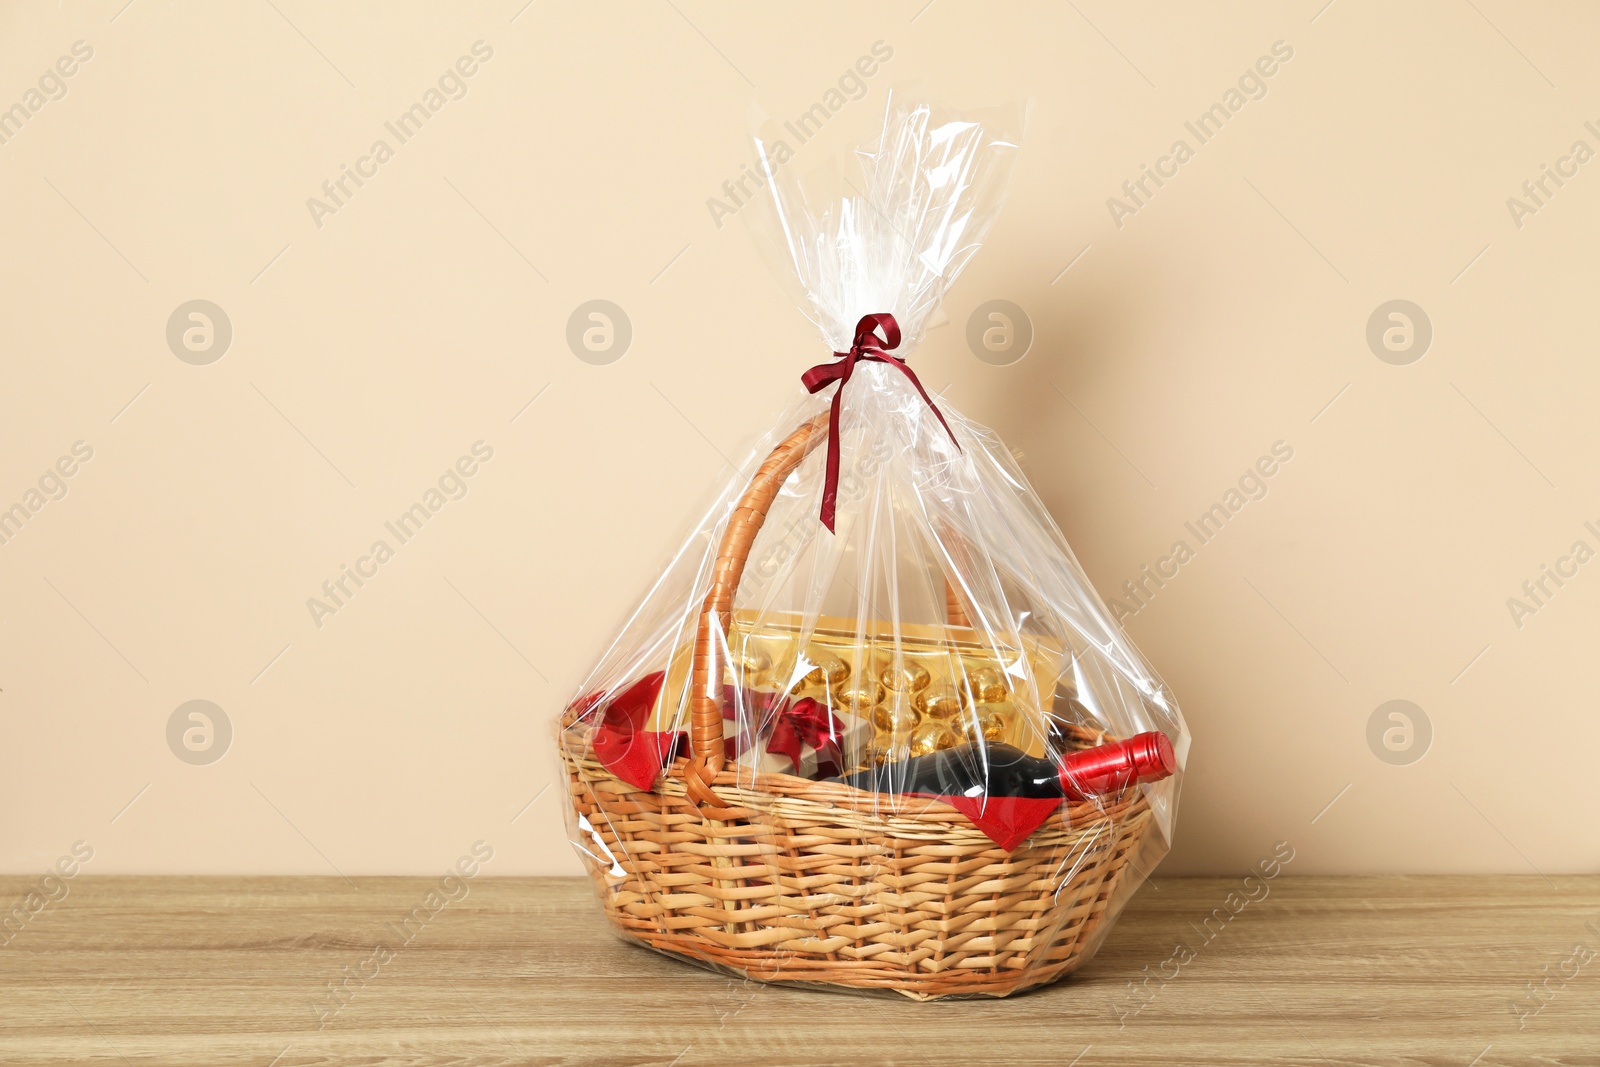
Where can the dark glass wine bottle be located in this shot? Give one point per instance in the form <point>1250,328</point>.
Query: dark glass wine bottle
<point>998,770</point>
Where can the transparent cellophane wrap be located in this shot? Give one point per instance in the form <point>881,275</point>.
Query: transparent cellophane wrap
<point>945,609</point>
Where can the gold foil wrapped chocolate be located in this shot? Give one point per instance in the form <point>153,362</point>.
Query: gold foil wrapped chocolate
<point>931,737</point>
<point>907,676</point>
<point>826,668</point>
<point>897,716</point>
<point>943,702</point>
<point>988,684</point>
<point>993,722</point>
<point>859,699</point>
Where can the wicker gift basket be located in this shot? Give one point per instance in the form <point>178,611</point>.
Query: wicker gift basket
<point>883,595</point>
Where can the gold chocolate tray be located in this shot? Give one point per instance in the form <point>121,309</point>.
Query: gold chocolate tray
<point>931,687</point>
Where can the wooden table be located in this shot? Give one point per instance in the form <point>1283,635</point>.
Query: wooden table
<point>224,971</point>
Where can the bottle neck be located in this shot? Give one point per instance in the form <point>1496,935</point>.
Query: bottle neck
<point>1111,768</point>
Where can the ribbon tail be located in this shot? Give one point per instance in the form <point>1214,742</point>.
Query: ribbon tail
<point>830,481</point>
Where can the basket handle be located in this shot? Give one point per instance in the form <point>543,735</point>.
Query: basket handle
<point>705,701</point>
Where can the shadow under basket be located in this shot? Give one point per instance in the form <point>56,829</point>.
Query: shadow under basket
<point>783,879</point>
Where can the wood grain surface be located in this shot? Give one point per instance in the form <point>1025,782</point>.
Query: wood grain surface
<point>233,971</point>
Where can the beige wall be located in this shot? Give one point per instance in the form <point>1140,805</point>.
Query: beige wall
<point>371,352</point>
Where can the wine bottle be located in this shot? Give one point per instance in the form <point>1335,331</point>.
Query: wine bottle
<point>1000,770</point>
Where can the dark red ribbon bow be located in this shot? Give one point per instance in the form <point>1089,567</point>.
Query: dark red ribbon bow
<point>805,722</point>
<point>868,346</point>
<point>787,724</point>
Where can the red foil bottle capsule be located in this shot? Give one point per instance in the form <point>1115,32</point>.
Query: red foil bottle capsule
<point>1114,767</point>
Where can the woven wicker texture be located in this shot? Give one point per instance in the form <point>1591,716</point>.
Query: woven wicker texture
<point>822,884</point>
<point>784,879</point>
